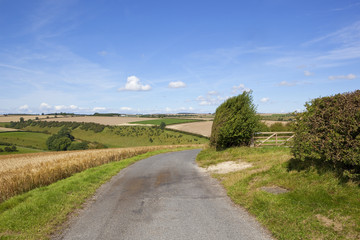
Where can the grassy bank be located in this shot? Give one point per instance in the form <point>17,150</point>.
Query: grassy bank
<point>317,206</point>
<point>38,213</point>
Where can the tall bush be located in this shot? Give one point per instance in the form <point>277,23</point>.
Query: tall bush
<point>235,122</point>
<point>328,132</point>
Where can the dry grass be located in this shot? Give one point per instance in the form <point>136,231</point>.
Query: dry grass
<point>101,120</point>
<point>202,128</point>
<point>23,172</point>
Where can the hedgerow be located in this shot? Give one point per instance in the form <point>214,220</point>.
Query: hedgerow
<point>328,133</point>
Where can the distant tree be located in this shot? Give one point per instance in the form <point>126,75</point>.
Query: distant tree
<point>235,122</point>
<point>22,119</point>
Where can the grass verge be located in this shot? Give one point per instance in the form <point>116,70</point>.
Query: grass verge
<point>317,206</point>
<point>38,213</point>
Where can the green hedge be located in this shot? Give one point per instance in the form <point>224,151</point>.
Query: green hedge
<point>328,133</point>
<point>235,122</point>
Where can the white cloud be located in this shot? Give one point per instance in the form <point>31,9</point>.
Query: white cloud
<point>65,108</point>
<point>45,106</point>
<point>348,77</point>
<point>210,100</point>
<point>178,84</point>
<point>288,84</point>
<point>308,73</point>
<point>265,100</point>
<point>241,88</point>
<point>24,107</point>
<point>133,84</point>
<point>126,108</point>
<point>96,109</point>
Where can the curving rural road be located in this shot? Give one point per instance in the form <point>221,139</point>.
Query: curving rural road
<point>163,197</point>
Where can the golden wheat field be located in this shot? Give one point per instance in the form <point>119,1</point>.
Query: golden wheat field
<point>23,172</point>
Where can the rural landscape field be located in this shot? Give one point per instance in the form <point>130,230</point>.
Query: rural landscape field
<point>180,120</point>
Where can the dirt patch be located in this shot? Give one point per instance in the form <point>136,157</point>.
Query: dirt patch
<point>226,167</point>
<point>274,190</point>
<point>329,223</point>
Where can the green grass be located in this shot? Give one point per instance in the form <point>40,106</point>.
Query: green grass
<point>167,121</point>
<point>3,124</point>
<point>38,213</point>
<point>128,136</point>
<point>25,139</point>
<point>317,206</point>
<point>20,150</point>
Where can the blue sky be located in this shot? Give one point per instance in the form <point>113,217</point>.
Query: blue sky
<point>167,56</point>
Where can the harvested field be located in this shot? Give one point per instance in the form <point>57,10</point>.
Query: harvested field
<point>16,118</point>
<point>23,172</point>
<point>101,120</point>
<point>203,128</point>
<point>2,129</point>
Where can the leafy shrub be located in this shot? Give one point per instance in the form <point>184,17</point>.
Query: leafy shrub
<point>328,132</point>
<point>10,149</point>
<point>60,141</point>
<point>235,122</point>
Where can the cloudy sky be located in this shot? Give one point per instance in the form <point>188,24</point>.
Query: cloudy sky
<point>165,56</point>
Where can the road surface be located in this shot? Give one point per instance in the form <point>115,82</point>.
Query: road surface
<point>163,197</point>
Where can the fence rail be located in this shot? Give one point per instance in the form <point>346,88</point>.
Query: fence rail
<point>271,138</point>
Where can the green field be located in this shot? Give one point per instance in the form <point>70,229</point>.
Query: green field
<point>167,121</point>
<point>25,139</point>
<point>317,205</point>
<point>20,150</point>
<point>110,136</point>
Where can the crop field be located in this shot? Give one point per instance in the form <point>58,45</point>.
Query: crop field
<point>167,121</point>
<point>202,128</point>
<point>101,120</point>
<point>21,173</point>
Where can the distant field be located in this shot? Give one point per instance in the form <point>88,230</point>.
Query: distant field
<point>101,120</point>
<point>202,128</point>
<point>167,121</point>
<point>25,139</point>
<point>20,150</point>
<point>110,136</point>
<point>16,118</point>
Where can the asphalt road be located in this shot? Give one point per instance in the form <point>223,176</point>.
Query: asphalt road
<point>163,197</point>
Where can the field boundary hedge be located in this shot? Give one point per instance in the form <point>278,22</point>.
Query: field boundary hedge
<point>327,134</point>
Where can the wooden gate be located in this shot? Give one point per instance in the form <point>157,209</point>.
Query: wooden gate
<point>272,138</point>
